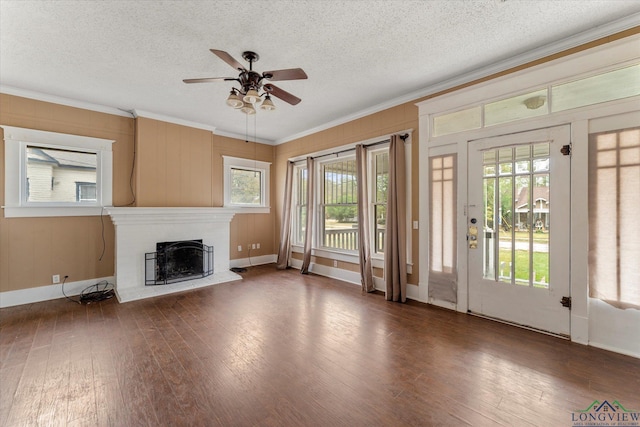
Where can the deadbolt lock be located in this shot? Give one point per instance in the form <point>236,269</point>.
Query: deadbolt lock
<point>473,237</point>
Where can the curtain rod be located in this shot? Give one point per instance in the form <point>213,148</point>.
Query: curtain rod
<point>373,144</point>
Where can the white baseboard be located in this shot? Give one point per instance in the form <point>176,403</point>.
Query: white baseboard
<point>580,329</point>
<point>254,260</point>
<point>46,293</point>
<point>443,304</point>
<point>335,273</point>
<point>626,352</point>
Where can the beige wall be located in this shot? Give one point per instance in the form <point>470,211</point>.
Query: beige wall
<point>183,166</point>
<point>174,166</point>
<point>33,249</point>
<point>385,122</point>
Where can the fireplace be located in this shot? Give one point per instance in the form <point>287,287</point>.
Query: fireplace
<point>174,262</point>
<point>138,231</point>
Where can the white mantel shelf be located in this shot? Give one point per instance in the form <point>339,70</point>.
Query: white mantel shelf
<point>169,215</point>
<point>139,229</point>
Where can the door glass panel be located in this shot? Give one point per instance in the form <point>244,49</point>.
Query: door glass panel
<point>489,237</point>
<point>505,235</point>
<point>541,213</point>
<point>516,215</point>
<point>522,224</point>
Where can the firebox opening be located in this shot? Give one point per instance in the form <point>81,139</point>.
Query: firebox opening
<point>178,261</point>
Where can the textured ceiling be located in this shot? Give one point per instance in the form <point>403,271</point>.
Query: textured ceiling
<point>359,55</point>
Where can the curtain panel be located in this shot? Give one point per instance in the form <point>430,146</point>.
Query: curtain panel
<point>311,213</point>
<point>284,250</point>
<point>364,240</point>
<point>395,256</point>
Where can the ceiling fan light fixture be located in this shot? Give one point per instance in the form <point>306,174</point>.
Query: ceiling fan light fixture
<point>234,100</point>
<point>248,109</point>
<point>252,96</point>
<point>267,104</point>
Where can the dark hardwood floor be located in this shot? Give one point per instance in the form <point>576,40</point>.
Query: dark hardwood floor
<point>282,349</point>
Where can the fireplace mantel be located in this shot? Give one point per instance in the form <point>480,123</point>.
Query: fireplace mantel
<point>139,229</point>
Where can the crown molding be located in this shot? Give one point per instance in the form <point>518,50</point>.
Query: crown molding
<point>161,117</point>
<point>45,97</point>
<point>244,137</point>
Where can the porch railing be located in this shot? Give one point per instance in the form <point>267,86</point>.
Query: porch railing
<point>347,239</point>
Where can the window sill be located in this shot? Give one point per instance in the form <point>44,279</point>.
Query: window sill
<point>376,260</point>
<point>249,209</point>
<point>50,211</point>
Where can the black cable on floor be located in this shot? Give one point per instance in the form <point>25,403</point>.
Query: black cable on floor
<point>100,291</point>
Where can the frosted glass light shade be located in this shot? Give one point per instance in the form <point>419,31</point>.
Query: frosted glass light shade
<point>251,97</point>
<point>234,100</point>
<point>248,109</point>
<point>267,104</point>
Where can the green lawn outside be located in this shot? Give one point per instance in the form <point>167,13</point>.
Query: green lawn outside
<point>524,236</point>
<point>540,266</point>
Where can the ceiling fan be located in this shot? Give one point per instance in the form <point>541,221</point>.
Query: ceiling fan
<point>251,82</point>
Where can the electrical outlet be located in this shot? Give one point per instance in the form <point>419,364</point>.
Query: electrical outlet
<point>55,278</point>
<point>257,245</point>
<point>415,225</point>
<point>253,246</point>
<point>239,248</point>
<point>335,262</point>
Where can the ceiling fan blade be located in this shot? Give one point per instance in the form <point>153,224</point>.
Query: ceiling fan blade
<point>209,79</point>
<point>228,59</point>
<point>288,74</point>
<point>282,94</point>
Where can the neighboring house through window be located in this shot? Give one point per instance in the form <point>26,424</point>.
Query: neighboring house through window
<point>55,174</point>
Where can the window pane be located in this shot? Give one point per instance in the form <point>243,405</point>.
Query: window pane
<point>442,215</point>
<point>246,187</point>
<point>382,177</point>
<point>458,121</point>
<point>614,229</point>
<point>381,221</point>
<point>53,174</point>
<point>530,104</point>
<point>300,220</point>
<point>86,192</point>
<point>516,237</point>
<point>341,227</point>
<point>340,208</point>
<point>505,238</point>
<point>604,87</point>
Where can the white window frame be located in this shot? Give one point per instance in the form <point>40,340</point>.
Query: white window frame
<point>16,141</point>
<point>295,223</point>
<point>253,165</point>
<point>346,256</point>
<point>371,176</point>
<point>319,203</point>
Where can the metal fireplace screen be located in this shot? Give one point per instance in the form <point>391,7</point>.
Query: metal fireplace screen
<point>178,261</point>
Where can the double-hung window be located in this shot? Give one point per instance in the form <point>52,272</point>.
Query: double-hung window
<point>336,202</point>
<point>339,205</point>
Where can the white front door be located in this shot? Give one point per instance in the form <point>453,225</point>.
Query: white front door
<point>518,228</point>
